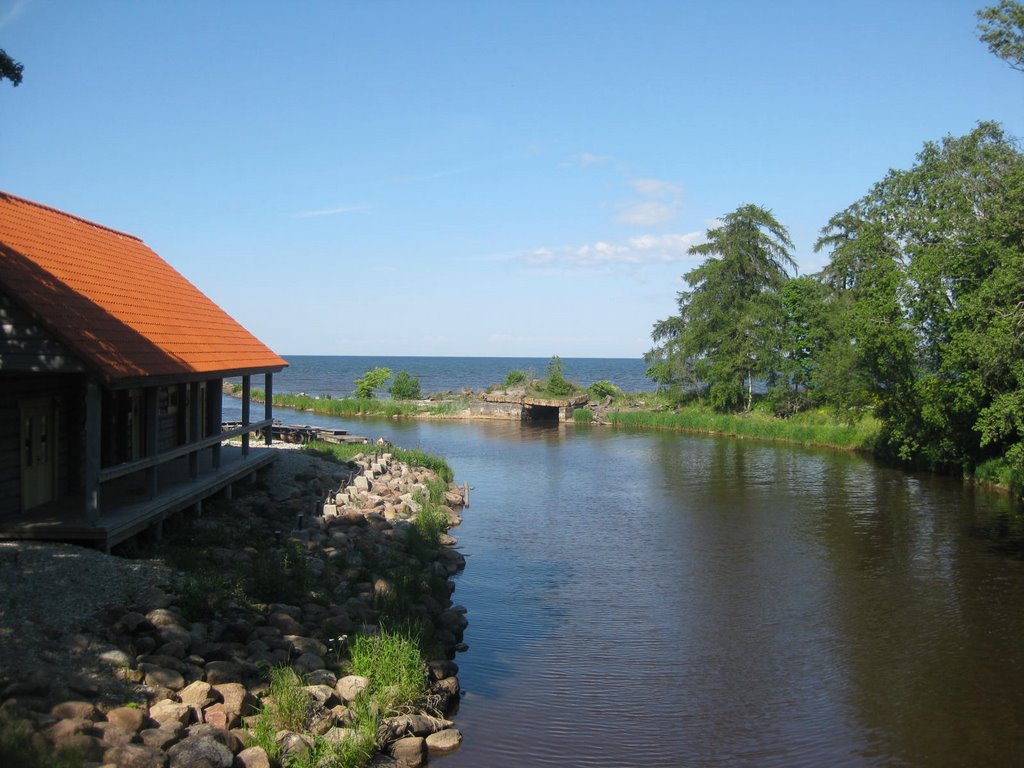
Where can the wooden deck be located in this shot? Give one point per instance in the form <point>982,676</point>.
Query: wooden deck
<point>127,508</point>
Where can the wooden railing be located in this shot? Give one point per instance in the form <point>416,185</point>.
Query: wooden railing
<point>120,470</point>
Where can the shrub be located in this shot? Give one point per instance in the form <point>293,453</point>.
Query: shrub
<point>556,383</point>
<point>514,378</point>
<point>405,387</point>
<point>604,389</point>
<point>370,381</point>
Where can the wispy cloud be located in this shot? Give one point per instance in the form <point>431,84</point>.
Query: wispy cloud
<point>650,213</point>
<point>656,188</point>
<point>662,202</point>
<point>634,252</point>
<point>339,211</point>
<point>15,10</point>
<point>585,160</point>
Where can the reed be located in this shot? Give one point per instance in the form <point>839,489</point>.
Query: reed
<point>582,415</point>
<point>393,663</point>
<point>345,406</point>
<point>812,428</point>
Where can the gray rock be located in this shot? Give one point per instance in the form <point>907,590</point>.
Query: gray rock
<point>135,756</point>
<point>412,751</point>
<point>350,686</point>
<point>443,742</point>
<point>200,752</point>
<point>160,738</point>
<point>308,662</point>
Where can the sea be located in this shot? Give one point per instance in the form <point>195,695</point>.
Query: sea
<point>335,375</point>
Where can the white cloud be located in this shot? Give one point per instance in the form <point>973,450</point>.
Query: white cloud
<point>331,211</point>
<point>648,214</point>
<point>656,188</point>
<point>585,160</point>
<point>662,201</point>
<point>634,252</point>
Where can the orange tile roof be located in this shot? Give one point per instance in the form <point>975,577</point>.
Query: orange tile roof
<point>121,308</point>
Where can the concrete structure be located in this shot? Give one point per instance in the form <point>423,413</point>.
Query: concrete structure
<point>528,408</point>
<point>111,370</point>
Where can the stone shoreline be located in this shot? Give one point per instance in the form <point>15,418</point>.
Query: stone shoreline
<point>100,654</point>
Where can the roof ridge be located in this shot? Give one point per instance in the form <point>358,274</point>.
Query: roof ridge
<point>51,209</point>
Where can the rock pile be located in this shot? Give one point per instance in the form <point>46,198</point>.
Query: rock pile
<point>188,688</point>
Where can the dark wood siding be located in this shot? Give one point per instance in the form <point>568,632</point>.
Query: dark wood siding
<point>65,392</point>
<point>26,346</point>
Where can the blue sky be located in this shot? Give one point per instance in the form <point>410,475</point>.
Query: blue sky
<point>473,178</point>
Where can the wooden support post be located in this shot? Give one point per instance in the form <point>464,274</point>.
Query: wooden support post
<point>246,396</point>
<point>151,409</point>
<point>195,426</point>
<point>214,410</point>
<point>91,448</point>
<point>268,407</point>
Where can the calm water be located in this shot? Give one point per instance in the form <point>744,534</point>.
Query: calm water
<point>333,375</point>
<point>647,599</point>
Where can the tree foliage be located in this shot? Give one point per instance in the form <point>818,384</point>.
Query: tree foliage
<point>727,331</point>
<point>928,275</point>
<point>405,387</point>
<point>556,384</point>
<point>369,382</point>
<point>1001,28</point>
<point>10,69</point>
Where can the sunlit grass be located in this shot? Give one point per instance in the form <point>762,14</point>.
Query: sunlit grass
<point>813,428</point>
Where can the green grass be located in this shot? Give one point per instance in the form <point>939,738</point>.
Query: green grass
<point>344,406</point>
<point>999,472</point>
<point>19,750</point>
<point>392,661</point>
<point>582,415</point>
<point>811,428</point>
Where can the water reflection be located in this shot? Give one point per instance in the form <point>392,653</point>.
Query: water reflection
<point>664,600</point>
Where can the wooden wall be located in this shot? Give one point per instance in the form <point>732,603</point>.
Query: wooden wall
<point>26,346</point>
<point>66,394</point>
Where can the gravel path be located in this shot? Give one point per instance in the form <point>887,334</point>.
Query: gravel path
<point>51,593</point>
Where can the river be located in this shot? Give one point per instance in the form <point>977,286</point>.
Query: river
<point>657,599</point>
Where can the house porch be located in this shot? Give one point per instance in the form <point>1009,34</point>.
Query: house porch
<point>130,504</point>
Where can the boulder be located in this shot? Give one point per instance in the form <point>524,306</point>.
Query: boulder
<point>85,710</point>
<point>197,694</point>
<point>170,714</point>
<point>113,735</point>
<point>308,662</point>
<point>160,738</point>
<point>350,686</point>
<point>237,698</point>
<point>162,677</point>
<point>131,718</point>
<point>411,751</point>
<point>135,756</point>
<point>200,752</point>
<point>443,742</point>
<point>220,716</point>
<point>252,757</point>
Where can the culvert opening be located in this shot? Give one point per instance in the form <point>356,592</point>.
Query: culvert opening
<point>540,412</point>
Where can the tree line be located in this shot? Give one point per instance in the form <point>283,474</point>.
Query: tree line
<point>918,316</point>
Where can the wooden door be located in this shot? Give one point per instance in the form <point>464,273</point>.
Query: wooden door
<point>37,452</point>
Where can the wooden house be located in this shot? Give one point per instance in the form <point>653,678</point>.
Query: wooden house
<point>111,374</point>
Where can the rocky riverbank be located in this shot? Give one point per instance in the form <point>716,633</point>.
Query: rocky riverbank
<point>130,662</point>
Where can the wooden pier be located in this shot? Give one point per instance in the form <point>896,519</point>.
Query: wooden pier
<point>296,433</point>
